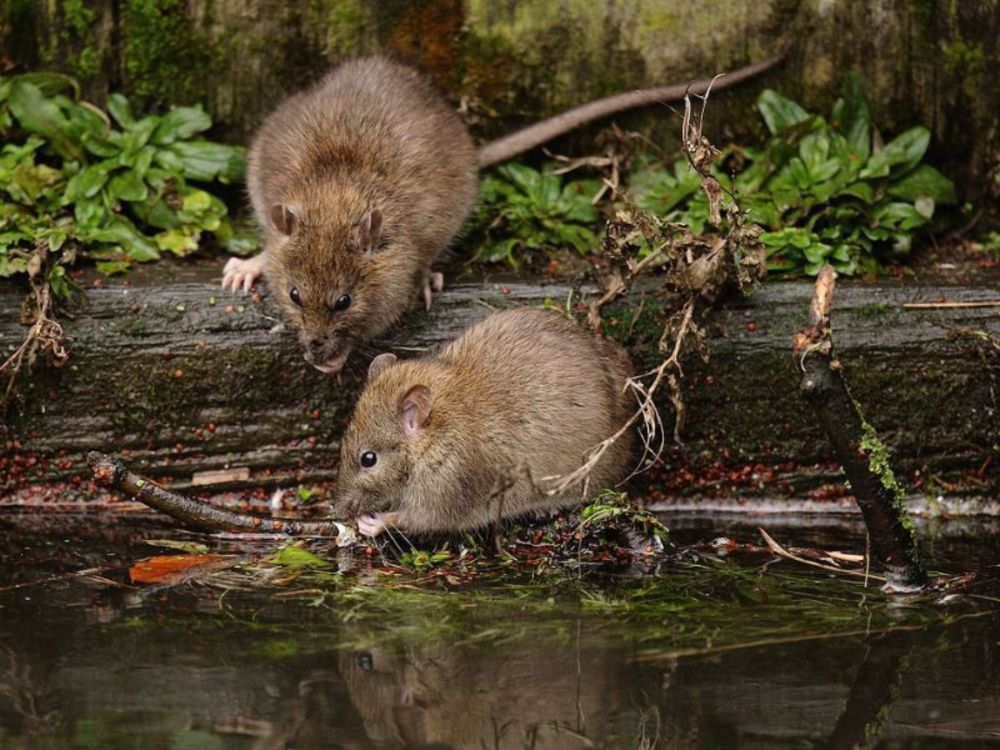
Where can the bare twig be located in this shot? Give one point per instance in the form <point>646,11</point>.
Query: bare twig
<point>698,269</point>
<point>110,471</point>
<point>949,305</point>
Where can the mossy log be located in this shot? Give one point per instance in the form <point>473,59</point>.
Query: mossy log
<point>510,63</point>
<point>185,379</point>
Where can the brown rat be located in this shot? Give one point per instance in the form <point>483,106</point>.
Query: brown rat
<point>476,432</point>
<point>359,184</point>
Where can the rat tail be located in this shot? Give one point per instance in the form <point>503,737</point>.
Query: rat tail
<point>541,132</point>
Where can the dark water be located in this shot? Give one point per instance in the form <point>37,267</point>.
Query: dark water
<point>697,654</point>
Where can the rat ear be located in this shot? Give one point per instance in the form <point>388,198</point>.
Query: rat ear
<point>415,409</point>
<point>369,231</point>
<point>380,363</point>
<point>284,218</point>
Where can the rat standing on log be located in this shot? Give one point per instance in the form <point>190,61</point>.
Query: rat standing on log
<point>481,430</point>
<point>362,181</point>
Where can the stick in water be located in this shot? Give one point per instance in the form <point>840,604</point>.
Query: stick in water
<point>110,471</point>
<point>858,448</point>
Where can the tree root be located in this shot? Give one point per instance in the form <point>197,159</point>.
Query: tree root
<point>858,449</point>
<point>45,337</point>
<point>110,471</point>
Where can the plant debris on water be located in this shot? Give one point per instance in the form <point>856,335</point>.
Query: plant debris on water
<point>695,599</point>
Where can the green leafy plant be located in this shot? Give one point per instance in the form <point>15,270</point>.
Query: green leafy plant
<point>824,190</point>
<point>523,209</point>
<point>109,186</point>
<point>422,560</point>
<point>611,505</point>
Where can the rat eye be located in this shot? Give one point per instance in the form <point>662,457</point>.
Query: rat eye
<point>369,459</point>
<point>342,303</point>
<point>294,294</point>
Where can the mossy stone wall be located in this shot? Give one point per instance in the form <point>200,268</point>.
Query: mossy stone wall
<point>510,62</point>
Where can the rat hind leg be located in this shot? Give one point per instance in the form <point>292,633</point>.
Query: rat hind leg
<point>434,281</point>
<point>242,272</point>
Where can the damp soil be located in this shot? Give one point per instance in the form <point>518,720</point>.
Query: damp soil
<point>692,650</point>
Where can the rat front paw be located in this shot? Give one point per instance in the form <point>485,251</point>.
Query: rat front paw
<point>376,523</point>
<point>242,272</point>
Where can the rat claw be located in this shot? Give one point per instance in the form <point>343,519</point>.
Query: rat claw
<point>427,296</point>
<point>433,281</point>
<point>242,272</point>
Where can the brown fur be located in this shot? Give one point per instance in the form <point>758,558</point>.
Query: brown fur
<point>519,397</point>
<point>375,138</point>
<point>373,135</point>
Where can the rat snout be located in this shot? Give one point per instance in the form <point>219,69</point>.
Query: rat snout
<point>326,352</point>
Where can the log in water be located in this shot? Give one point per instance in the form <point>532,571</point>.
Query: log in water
<point>185,379</point>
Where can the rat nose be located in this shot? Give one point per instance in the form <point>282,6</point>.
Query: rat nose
<point>315,345</point>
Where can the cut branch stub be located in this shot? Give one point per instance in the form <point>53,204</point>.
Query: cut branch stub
<point>859,450</point>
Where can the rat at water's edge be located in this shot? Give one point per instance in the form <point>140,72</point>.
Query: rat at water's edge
<point>480,430</point>
<point>362,181</point>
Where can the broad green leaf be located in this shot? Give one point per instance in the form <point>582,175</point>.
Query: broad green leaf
<point>293,556</point>
<point>157,213</point>
<point>138,135</point>
<point>89,213</point>
<point>813,149</point>
<point>196,202</point>
<point>521,175</point>
<point>901,153</point>
<point>85,121</point>
<point>924,181</point>
<point>204,160</point>
<point>852,117</point>
<point>179,124</point>
<point>88,182</point>
<point>38,114</point>
<point>779,112</point>
<point>899,216</point>
<point>100,146</point>
<point>51,83</point>
<point>861,190</point>
<point>126,186</point>
<point>177,241</point>
<point>119,108</point>
<point>123,233</point>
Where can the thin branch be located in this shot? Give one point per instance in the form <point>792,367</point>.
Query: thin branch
<point>110,471</point>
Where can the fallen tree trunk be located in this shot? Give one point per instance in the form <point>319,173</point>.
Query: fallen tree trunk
<point>184,379</point>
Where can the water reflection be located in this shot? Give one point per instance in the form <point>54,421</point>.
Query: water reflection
<point>84,664</point>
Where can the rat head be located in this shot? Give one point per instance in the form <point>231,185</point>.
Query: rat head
<point>380,447</point>
<point>324,271</point>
